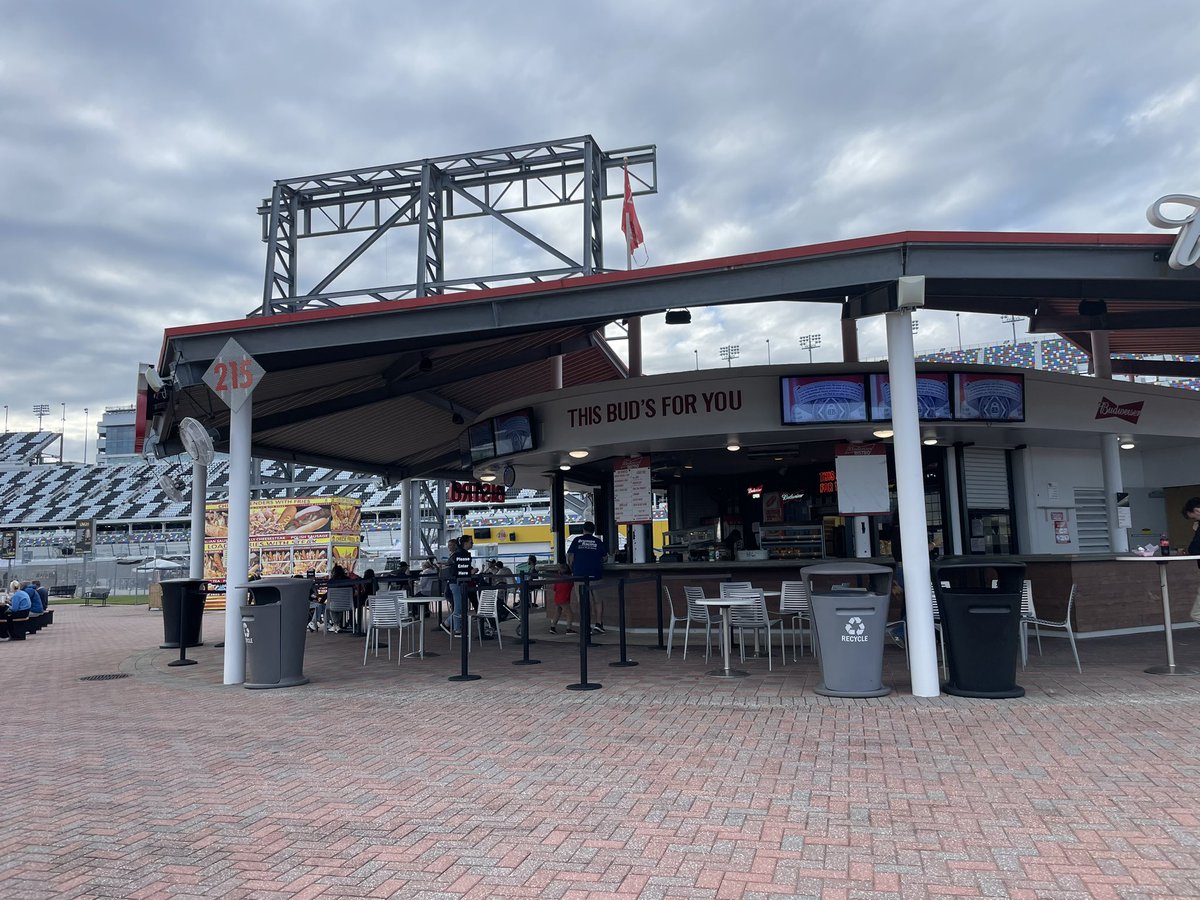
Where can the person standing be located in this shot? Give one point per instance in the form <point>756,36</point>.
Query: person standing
<point>460,578</point>
<point>1191,512</point>
<point>586,557</point>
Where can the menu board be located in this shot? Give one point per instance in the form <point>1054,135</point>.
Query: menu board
<point>633,498</point>
<point>823,398</point>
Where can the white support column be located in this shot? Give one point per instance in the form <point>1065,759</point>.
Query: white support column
<point>412,513</point>
<point>405,524</point>
<point>237,551</point>
<point>1110,458</point>
<point>1101,356</point>
<point>196,547</point>
<point>556,372</point>
<point>910,497</point>
<point>953,505</point>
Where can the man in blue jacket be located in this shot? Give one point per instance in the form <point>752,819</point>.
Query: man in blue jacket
<point>586,556</point>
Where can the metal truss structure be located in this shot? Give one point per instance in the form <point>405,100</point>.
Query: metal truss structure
<point>428,194</point>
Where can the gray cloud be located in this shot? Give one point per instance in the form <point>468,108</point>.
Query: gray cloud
<point>141,136</point>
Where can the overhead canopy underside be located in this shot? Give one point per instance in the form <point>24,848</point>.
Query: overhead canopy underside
<point>386,387</point>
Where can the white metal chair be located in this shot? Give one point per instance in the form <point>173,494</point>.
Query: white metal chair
<point>1028,616</point>
<point>1036,621</point>
<point>793,601</point>
<point>489,601</point>
<point>338,600</point>
<point>674,618</point>
<point>727,586</point>
<point>754,618</point>
<point>386,615</point>
<point>700,614</point>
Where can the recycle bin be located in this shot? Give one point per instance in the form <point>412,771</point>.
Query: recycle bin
<point>849,622</point>
<point>186,594</point>
<point>982,626</point>
<point>274,629</point>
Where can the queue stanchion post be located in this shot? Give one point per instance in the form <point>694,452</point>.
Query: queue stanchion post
<point>658,609</point>
<point>585,626</point>
<point>526,594</point>
<point>624,661</point>
<point>183,660</point>
<point>464,639</point>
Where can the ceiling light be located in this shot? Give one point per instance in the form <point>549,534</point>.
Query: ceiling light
<point>488,477</point>
<point>1127,443</point>
<point>565,467</point>
<point>425,365</point>
<point>929,441</point>
<point>733,447</point>
<point>457,418</point>
<point>578,454</point>
<point>883,432</point>
<point>678,317</point>
<point>689,466</point>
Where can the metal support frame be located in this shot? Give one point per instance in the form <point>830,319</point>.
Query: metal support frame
<point>496,183</point>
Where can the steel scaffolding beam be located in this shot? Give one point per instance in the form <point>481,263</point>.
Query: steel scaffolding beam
<point>430,193</point>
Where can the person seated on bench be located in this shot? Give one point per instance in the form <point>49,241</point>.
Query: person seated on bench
<point>19,603</point>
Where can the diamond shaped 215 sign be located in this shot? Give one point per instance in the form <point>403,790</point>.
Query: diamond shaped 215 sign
<point>233,375</point>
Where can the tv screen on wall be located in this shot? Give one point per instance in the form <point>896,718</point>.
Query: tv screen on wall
<point>481,441</point>
<point>933,397</point>
<point>514,432</point>
<point>989,398</point>
<point>812,400</point>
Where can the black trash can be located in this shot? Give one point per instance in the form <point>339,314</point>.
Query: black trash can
<point>274,627</point>
<point>849,605</point>
<point>186,594</point>
<point>982,625</point>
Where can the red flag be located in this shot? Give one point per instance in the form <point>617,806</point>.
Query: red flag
<point>629,220</point>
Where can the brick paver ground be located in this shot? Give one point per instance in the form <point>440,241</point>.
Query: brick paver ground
<point>387,780</point>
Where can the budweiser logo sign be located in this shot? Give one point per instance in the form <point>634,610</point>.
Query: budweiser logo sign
<point>1129,412</point>
<point>1186,251</point>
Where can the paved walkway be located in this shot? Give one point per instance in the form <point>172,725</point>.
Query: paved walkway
<point>386,780</point>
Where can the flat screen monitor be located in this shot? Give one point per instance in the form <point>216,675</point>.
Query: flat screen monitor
<point>481,441</point>
<point>989,398</point>
<point>514,432</point>
<point>813,400</point>
<point>481,534</point>
<point>933,397</point>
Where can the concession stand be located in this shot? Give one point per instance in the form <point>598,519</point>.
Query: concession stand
<point>764,469</point>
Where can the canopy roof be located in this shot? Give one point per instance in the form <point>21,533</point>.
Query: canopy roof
<point>386,387</point>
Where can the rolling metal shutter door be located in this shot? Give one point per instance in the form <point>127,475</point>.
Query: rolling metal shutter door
<point>985,474</point>
<point>1091,521</point>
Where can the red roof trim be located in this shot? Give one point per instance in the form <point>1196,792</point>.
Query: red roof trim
<point>667,271</point>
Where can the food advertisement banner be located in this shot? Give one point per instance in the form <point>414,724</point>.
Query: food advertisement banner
<point>289,536</point>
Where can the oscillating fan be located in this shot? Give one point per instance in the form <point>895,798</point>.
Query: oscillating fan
<point>196,441</point>
<point>171,487</point>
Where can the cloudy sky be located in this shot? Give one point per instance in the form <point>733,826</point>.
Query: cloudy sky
<point>139,138</point>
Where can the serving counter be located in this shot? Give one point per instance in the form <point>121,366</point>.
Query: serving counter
<point>1110,595</point>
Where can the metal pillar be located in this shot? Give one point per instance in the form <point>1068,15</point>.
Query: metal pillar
<point>237,552</point>
<point>849,340</point>
<point>910,497</point>
<point>196,547</point>
<point>558,518</point>
<point>1101,357</point>
<point>634,328</point>
<point>952,520</point>
<point>862,535</point>
<point>1110,459</point>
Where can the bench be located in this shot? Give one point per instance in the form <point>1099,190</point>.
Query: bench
<point>100,594</point>
<point>63,590</point>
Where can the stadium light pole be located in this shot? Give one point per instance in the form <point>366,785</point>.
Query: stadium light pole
<point>1012,320</point>
<point>62,433</point>
<point>697,352</point>
<point>768,351</point>
<point>958,321</point>
<point>40,410</point>
<point>809,342</point>
<point>6,418</point>
<point>730,353</point>
<point>85,428</point>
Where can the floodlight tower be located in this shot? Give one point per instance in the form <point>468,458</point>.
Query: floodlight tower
<point>809,342</point>
<point>730,353</point>
<point>40,410</point>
